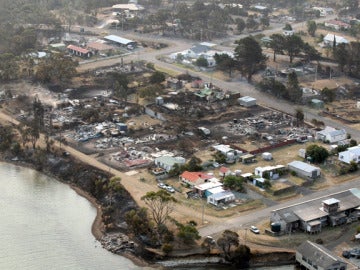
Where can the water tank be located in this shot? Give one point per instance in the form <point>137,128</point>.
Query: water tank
<point>230,155</point>
<point>275,227</point>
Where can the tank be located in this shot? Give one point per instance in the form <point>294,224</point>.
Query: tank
<point>275,227</point>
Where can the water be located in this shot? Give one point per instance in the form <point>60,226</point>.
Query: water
<point>44,224</point>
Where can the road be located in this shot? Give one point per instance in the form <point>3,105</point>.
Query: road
<point>245,220</point>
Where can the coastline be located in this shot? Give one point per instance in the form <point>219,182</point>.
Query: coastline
<point>98,231</point>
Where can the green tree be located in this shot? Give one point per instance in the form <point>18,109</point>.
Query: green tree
<point>160,204</point>
<point>251,24</point>
<point>219,157</point>
<point>120,84</point>
<point>241,257</point>
<point>188,233</point>
<point>6,137</point>
<point>328,94</point>
<point>224,62</point>
<point>293,45</point>
<point>57,69</point>
<point>277,44</point>
<point>299,116</point>
<point>194,164</point>
<point>341,55</point>
<point>202,62</point>
<point>288,27</point>
<point>240,24</point>
<point>234,182</point>
<point>249,56</point>
<point>228,240</point>
<point>9,68</point>
<point>311,27</point>
<point>317,153</point>
<point>150,91</point>
<point>293,88</point>
<point>157,77</point>
<point>138,221</point>
<point>310,52</point>
<point>265,22</point>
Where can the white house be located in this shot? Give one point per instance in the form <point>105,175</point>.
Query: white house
<point>272,172</point>
<point>225,196</point>
<point>351,154</point>
<point>329,40</point>
<point>304,170</point>
<point>331,135</point>
<point>168,162</point>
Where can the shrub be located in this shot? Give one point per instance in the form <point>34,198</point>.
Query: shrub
<point>167,248</point>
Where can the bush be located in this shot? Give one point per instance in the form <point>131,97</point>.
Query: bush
<point>167,248</point>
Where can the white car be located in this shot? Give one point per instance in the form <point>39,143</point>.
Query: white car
<point>170,189</point>
<point>254,230</point>
<point>162,185</point>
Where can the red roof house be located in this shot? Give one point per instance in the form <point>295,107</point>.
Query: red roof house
<point>194,178</point>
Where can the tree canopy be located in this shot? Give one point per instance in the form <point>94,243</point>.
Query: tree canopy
<point>249,56</point>
<point>317,153</point>
<point>160,204</point>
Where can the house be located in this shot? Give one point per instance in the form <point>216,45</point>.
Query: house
<point>247,101</point>
<point>304,170</point>
<point>202,189</point>
<point>224,171</point>
<point>329,40</point>
<point>316,257</point>
<point>223,197</point>
<point>331,135</point>
<point>79,51</point>
<point>230,154</point>
<point>351,154</point>
<point>98,47</point>
<point>194,178</point>
<point>168,162</point>
<point>337,25</point>
<point>270,172</point>
<point>312,215</point>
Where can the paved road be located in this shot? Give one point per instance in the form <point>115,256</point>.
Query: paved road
<point>246,220</point>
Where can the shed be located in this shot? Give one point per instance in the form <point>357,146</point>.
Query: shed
<point>247,101</point>
<point>304,170</point>
<point>120,41</point>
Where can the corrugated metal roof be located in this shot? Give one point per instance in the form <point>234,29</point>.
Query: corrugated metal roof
<point>302,166</point>
<point>312,209</point>
<point>318,255</point>
<point>117,39</point>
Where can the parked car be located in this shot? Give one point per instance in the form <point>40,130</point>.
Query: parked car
<point>170,189</point>
<point>254,230</point>
<point>161,185</point>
